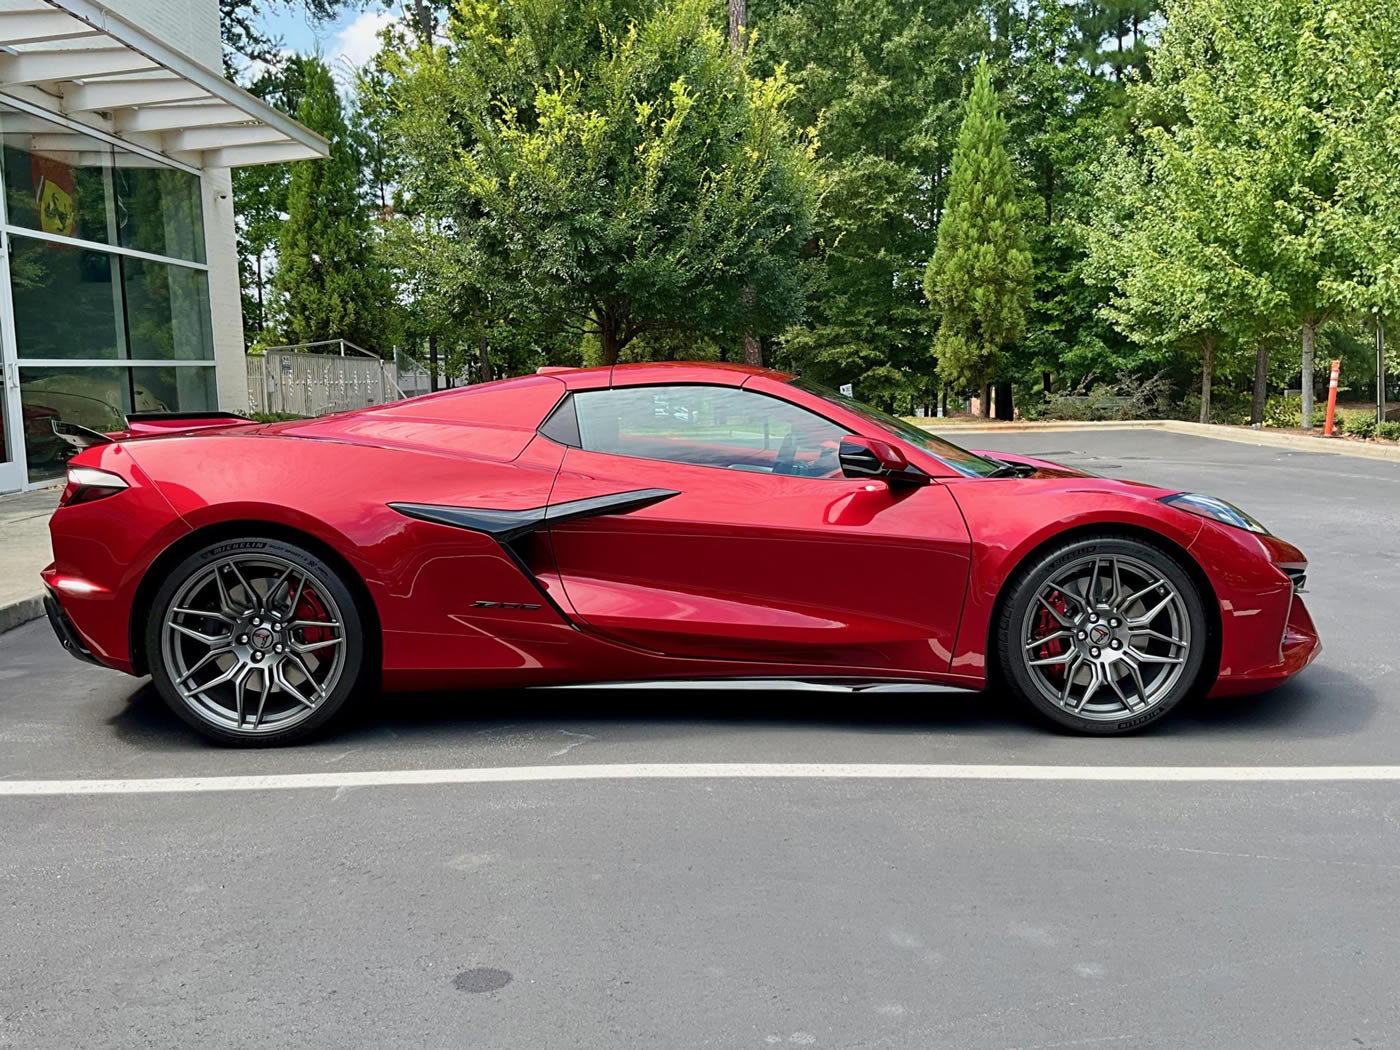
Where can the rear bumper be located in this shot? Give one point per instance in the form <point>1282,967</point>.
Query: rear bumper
<point>1300,647</point>
<point>67,634</point>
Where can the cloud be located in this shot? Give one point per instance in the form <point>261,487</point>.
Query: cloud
<point>356,43</point>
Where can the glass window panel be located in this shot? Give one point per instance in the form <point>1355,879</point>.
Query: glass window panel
<point>67,183</point>
<point>99,398</point>
<point>158,208</point>
<point>66,305</point>
<point>55,179</point>
<point>90,397</point>
<point>167,311</point>
<point>709,426</point>
<point>67,300</point>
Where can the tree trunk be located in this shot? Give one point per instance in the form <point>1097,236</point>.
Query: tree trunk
<point>608,335</point>
<point>1309,353</point>
<point>738,20</point>
<point>483,356</point>
<point>753,351</point>
<point>432,362</point>
<point>1006,408</point>
<point>1045,383</point>
<point>942,400</point>
<point>1261,384</point>
<point>1207,353</point>
<point>984,406</point>
<point>424,20</point>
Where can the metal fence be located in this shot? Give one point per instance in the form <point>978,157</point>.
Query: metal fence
<point>314,379</point>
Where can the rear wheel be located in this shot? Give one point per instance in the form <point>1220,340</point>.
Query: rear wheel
<point>1103,635</point>
<point>255,642</point>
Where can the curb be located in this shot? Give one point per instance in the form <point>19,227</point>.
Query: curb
<point>16,614</point>
<point>1239,435</point>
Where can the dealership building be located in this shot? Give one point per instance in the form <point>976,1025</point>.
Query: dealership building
<point>119,274</point>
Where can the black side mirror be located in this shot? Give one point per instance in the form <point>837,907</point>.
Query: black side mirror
<point>863,457</point>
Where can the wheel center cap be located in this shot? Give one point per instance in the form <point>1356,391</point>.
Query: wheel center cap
<point>261,638</point>
<point>1099,634</point>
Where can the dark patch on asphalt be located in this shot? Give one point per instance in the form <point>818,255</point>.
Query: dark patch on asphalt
<point>482,979</point>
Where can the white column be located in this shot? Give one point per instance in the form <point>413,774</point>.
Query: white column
<point>225,304</point>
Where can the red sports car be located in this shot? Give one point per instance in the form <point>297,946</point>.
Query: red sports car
<point>647,522</point>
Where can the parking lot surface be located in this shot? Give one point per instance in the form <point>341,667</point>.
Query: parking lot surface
<point>736,911</point>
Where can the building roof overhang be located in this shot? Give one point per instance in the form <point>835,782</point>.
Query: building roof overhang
<point>81,60</point>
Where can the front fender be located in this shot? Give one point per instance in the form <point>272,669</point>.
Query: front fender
<point>1010,518</point>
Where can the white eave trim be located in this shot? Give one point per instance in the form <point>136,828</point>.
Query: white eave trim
<point>82,60</point>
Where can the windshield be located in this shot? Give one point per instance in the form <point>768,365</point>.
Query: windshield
<point>960,459</point>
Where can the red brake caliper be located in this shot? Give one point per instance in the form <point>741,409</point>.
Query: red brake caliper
<point>1047,624</point>
<point>310,608</point>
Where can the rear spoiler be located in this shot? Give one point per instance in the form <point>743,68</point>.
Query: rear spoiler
<point>144,423</point>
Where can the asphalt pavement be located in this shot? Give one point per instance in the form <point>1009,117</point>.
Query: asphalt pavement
<point>732,911</point>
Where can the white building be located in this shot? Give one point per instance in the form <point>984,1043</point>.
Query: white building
<point>118,269</point>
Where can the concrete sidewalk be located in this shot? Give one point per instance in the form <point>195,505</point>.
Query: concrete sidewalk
<point>24,550</point>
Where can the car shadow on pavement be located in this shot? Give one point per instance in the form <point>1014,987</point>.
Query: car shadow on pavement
<point>1335,705</point>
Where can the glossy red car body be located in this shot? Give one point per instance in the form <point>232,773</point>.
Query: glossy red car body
<point>736,574</point>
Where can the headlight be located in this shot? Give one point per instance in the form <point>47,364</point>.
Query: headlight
<point>1216,510</point>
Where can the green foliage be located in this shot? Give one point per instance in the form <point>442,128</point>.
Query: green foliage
<point>1286,412</point>
<point>1130,397</point>
<point>882,79</point>
<point>605,167</point>
<point>978,281</point>
<point>1389,430</point>
<point>329,284</point>
<point>1359,425</point>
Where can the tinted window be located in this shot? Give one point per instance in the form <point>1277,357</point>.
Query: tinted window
<point>709,426</point>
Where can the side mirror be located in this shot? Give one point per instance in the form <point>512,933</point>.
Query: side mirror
<point>863,457</point>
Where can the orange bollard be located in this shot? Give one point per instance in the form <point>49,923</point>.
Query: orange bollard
<point>1332,398</point>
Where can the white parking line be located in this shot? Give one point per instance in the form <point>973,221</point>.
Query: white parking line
<point>699,771</point>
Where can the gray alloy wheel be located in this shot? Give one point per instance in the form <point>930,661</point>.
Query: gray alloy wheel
<point>254,642</point>
<point>1103,635</point>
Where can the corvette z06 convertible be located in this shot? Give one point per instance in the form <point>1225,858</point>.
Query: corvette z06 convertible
<point>646,522</point>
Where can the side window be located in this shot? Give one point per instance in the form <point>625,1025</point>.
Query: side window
<point>709,426</point>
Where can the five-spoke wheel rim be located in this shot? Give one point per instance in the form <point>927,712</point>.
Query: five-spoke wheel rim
<point>1106,637</point>
<point>253,643</point>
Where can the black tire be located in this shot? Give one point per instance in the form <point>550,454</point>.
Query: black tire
<point>211,712</point>
<point>1081,675</point>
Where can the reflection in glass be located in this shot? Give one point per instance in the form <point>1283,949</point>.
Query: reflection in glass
<point>99,399</point>
<point>55,179</point>
<point>63,182</point>
<point>158,209</point>
<point>66,305</point>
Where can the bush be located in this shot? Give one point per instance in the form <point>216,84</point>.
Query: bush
<point>1389,430</point>
<point>1286,412</point>
<point>1359,426</point>
<point>1131,397</point>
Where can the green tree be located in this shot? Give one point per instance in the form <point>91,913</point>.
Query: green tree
<point>882,80</point>
<point>1257,107</point>
<point>979,278</point>
<point>606,167</point>
<point>329,283</point>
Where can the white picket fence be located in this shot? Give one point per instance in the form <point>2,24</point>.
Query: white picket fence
<point>314,379</point>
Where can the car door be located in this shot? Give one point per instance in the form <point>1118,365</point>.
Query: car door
<point>750,544</point>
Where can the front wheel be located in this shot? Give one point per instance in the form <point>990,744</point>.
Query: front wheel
<point>254,642</point>
<point>1103,635</point>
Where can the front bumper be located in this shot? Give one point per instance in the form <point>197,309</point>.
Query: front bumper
<point>1300,647</point>
<point>68,636</point>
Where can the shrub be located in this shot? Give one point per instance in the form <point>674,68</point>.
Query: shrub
<point>1359,425</point>
<point>1284,412</point>
<point>1389,430</point>
<point>1131,397</point>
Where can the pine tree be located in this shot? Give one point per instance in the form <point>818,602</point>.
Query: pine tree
<point>329,284</point>
<point>979,279</point>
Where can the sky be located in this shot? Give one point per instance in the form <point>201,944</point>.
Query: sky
<point>345,43</point>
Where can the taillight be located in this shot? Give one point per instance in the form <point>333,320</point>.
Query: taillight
<point>86,484</point>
